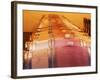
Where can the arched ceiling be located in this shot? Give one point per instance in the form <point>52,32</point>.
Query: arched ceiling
<point>31,19</point>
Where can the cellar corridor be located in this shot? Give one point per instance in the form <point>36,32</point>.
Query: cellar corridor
<point>56,42</point>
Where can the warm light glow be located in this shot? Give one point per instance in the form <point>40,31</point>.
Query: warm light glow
<point>67,35</point>
<point>29,55</point>
<point>63,30</point>
<point>54,34</point>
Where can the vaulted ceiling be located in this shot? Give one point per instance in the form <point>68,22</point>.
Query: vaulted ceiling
<point>31,19</point>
